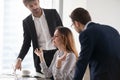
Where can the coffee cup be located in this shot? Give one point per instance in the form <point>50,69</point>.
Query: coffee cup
<point>25,72</point>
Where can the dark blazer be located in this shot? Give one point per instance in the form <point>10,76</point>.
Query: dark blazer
<point>53,20</point>
<point>100,48</point>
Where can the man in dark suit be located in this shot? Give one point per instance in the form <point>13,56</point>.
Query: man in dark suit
<point>38,28</point>
<point>100,48</point>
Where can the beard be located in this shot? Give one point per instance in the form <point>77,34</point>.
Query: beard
<point>36,11</point>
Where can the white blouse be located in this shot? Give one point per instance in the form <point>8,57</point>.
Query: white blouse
<point>66,72</point>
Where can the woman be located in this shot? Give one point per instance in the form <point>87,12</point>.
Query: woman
<point>62,66</point>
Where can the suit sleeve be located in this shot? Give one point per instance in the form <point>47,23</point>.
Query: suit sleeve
<point>26,41</point>
<point>85,54</point>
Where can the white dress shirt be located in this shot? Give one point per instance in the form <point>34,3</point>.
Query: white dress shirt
<point>43,34</point>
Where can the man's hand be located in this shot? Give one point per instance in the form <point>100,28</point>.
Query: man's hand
<point>18,64</point>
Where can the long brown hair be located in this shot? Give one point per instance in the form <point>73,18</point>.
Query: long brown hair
<point>68,39</point>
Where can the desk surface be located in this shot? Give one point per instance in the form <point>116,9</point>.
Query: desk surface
<point>12,77</point>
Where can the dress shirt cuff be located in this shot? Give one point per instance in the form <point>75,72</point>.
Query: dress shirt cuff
<point>19,59</point>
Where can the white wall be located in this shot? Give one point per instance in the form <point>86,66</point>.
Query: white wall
<point>105,11</point>
<point>68,7</point>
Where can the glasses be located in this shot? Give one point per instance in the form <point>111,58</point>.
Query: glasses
<point>71,25</point>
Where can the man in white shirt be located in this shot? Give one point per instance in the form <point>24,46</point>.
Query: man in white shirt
<point>38,28</point>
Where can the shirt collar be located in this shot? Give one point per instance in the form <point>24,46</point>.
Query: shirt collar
<point>43,14</point>
<point>87,25</point>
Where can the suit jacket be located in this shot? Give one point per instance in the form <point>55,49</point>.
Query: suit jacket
<point>100,48</point>
<point>30,35</point>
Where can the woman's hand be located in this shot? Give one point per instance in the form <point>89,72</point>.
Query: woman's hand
<point>60,60</point>
<point>39,52</point>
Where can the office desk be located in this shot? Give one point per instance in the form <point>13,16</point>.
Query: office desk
<point>12,77</point>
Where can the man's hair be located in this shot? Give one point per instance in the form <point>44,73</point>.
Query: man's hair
<point>26,1</point>
<point>81,15</point>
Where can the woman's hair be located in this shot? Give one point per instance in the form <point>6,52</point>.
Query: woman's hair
<point>81,15</point>
<point>68,39</point>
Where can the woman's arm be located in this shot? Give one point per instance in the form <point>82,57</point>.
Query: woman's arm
<point>49,71</point>
<point>44,68</point>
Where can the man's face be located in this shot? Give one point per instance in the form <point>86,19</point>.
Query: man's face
<point>33,6</point>
<point>78,26</point>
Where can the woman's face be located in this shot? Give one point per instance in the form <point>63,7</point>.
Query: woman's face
<point>57,39</point>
